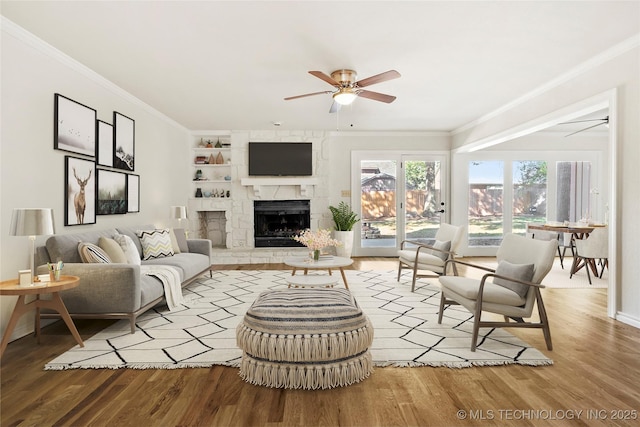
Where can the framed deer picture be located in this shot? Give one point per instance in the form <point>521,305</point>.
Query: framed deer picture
<point>112,192</point>
<point>80,191</point>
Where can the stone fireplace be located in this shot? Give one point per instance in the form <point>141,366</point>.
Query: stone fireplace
<point>230,222</point>
<point>276,221</point>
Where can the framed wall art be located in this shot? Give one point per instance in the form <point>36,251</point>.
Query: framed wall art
<point>112,192</point>
<point>105,144</point>
<point>133,193</point>
<point>74,126</point>
<point>123,142</point>
<point>80,191</point>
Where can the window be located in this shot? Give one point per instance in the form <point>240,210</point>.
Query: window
<point>486,192</point>
<point>529,194</point>
<point>573,191</point>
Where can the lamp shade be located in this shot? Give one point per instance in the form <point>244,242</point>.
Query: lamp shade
<point>179,212</point>
<point>32,222</point>
<point>344,96</point>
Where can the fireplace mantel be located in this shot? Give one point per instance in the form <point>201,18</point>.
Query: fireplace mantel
<point>305,184</point>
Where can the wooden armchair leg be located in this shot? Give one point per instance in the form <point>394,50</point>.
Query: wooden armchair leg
<point>441,312</point>
<point>544,321</point>
<point>476,330</point>
<point>413,280</point>
<point>476,326</point>
<point>399,270</point>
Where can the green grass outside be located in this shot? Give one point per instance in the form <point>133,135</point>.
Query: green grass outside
<point>478,228</point>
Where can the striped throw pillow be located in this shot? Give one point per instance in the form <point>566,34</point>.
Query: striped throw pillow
<point>155,243</point>
<point>90,253</point>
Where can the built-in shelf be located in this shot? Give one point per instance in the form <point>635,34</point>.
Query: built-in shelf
<point>305,184</point>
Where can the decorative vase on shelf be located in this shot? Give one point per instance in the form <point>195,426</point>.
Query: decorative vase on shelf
<point>218,145</point>
<point>198,192</point>
<point>219,159</point>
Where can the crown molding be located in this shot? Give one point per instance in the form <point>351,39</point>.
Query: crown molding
<point>388,133</point>
<point>10,28</point>
<point>609,54</point>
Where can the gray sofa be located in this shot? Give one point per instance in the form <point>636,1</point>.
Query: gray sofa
<point>116,291</point>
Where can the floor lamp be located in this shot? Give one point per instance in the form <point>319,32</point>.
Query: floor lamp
<point>32,222</point>
<point>179,213</point>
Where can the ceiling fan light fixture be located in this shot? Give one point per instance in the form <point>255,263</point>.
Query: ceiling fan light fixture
<point>344,96</point>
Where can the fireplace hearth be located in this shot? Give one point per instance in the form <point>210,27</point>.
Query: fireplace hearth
<point>276,221</point>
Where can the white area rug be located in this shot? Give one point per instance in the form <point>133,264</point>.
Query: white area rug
<point>202,332</point>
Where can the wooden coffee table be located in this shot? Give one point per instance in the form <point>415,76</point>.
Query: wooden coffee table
<point>12,287</point>
<point>324,263</point>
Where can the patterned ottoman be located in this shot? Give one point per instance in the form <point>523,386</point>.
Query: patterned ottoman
<point>305,338</point>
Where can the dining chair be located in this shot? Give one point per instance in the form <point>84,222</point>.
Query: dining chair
<point>513,290</point>
<point>549,235</point>
<point>591,250</point>
<point>565,241</point>
<point>420,257</point>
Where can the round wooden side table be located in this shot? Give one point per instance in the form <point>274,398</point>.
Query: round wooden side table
<point>326,263</point>
<point>12,287</point>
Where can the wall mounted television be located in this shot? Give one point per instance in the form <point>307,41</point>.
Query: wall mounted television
<point>280,159</point>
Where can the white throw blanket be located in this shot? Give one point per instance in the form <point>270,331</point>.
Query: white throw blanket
<point>170,278</point>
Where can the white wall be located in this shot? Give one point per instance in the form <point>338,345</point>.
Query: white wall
<point>32,172</point>
<point>343,143</point>
<point>621,73</point>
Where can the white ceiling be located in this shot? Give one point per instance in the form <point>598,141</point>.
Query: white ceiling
<point>228,65</point>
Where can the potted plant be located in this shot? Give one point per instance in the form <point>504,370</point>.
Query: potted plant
<point>344,219</point>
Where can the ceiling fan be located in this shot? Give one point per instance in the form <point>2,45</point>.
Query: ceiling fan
<point>604,121</point>
<point>347,89</point>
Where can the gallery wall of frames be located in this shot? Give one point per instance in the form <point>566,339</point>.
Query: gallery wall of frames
<point>99,175</point>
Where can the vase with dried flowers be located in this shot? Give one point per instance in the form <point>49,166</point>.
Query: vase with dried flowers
<point>315,241</point>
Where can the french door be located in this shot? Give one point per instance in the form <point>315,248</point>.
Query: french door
<point>398,196</point>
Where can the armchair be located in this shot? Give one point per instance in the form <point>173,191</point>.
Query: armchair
<point>515,286</point>
<point>418,256</point>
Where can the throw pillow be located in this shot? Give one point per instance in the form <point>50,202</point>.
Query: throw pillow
<point>129,248</point>
<point>181,237</point>
<point>155,243</point>
<point>92,253</point>
<point>443,246</point>
<point>174,242</point>
<point>113,250</point>
<point>522,272</point>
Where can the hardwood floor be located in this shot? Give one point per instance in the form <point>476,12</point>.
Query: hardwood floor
<point>596,368</point>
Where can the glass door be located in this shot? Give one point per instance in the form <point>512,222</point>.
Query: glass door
<point>398,196</point>
<point>379,205</point>
<point>424,204</point>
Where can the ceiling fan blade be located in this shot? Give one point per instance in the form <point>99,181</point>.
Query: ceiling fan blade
<point>307,94</point>
<point>323,76</point>
<point>378,78</point>
<point>335,107</point>
<point>606,120</point>
<point>587,128</point>
<point>377,96</point>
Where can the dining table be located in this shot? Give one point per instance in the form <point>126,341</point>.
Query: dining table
<point>578,231</point>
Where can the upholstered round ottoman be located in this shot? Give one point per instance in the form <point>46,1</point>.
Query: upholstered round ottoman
<point>305,339</point>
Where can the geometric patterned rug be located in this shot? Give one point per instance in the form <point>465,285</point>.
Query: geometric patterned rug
<point>201,332</point>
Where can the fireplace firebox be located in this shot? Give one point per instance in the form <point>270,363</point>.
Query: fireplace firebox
<point>276,221</point>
